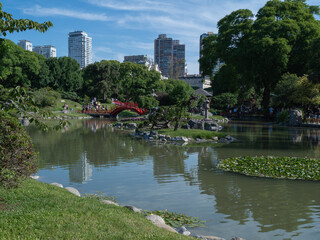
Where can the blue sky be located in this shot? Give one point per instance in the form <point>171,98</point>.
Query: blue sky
<point>126,27</point>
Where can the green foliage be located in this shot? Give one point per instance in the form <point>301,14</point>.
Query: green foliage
<point>258,50</point>
<point>225,99</point>
<point>20,102</point>
<point>147,102</point>
<point>51,212</point>
<point>18,67</point>
<point>101,79</point>
<point>17,157</point>
<point>70,95</point>
<point>9,24</point>
<point>46,97</point>
<point>176,219</point>
<point>283,117</point>
<point>284,90</point>
<point>99,197</point>
<point>306,94</point>
<point>274,167</point>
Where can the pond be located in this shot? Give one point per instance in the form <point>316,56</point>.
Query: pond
<point>95,158</point>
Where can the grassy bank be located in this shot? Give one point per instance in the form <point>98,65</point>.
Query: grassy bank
<point>41,211</point>
<point>191,133</point>
<point>274,167</point>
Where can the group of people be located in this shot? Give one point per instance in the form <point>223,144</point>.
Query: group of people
<point>312,116</point>
<point>94,106</point>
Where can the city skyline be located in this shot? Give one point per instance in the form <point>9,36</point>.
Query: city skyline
<point>123,28</point>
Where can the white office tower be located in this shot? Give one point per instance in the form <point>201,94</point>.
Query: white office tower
<point>25,44</point>
<point>80,48</point>
<point>48,51</point>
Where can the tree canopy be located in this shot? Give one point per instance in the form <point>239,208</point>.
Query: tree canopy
<point>258,49</point>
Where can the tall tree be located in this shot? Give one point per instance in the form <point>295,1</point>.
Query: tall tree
<point>263,47</point>
<point>101,79</point>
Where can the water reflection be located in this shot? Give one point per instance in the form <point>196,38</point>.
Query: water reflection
<point>81,171</point>
<point>290,209</point>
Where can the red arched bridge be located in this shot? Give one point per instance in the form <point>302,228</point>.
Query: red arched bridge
<point>113,112</point>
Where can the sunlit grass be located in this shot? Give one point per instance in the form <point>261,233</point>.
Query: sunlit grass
<point>41,211</point>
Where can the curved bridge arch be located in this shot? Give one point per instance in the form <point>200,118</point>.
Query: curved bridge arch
<point>113,112</point>
<point>119,109</point>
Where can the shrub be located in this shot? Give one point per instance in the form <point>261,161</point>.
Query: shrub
<point>225,99</point>
<point>283,117</point>
<point>70,95</point>
<point>46,97</point>
<point>17,156</point>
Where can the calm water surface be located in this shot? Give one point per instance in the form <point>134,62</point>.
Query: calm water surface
<point>96,159</point>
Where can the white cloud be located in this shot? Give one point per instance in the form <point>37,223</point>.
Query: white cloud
<point>41,11</point>
<point>103,49</point>
<point>133,5</point>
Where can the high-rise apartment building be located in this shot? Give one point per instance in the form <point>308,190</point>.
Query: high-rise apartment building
<point>169,55</point>
<point>139,59</point>
<point>48,51</point>
<point>80,47</point>
<point>25,44</point>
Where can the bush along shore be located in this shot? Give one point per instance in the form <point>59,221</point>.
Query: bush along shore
<point>274,167</point>
<point>38,210</point>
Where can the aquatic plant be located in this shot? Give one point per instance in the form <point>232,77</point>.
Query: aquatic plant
<point>176,219</point>
<point>274,167</point>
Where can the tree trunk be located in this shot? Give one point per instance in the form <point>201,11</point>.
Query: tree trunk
<point>266,99</point>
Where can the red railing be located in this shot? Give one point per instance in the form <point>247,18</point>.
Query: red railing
<point>119,108</point>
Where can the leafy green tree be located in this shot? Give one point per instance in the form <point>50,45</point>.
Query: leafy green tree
<point>101,79</point>
<point>307,94</point>
<point>20,67</point>
<point>223,100</point>
<point>284,91</point>
<point>54,73</point>
<point>71,77</point>
<point>137,84</point>
<point>17,156</point>
<point>263,47</point>
<point>43,78</point>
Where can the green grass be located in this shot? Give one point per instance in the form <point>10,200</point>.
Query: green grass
<point>274,167</point>
<point>41,211</point>
<point>59,106</point>
<point>127,114</point>
<point>191,133</point>
<point>199,117</point>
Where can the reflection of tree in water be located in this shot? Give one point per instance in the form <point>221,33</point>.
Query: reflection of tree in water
<point>170,161</point>
<point>275,204</point>
<point>102,146</point>
<point>253,137</point>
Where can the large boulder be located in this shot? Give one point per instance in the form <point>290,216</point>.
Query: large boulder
<point>131,125</point>
<point>295,118</point>
<point>73,191</point>
<point>158,221</point>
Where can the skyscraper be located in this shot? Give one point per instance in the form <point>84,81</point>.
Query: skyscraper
<point>139,59</point>
<point>80,47</point>
<point>47,50</point>
<point>170,56</point>
<point>25,44</point>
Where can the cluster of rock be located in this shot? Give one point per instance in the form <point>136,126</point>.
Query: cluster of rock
<point>204,124</point>
<point>153,135</point>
